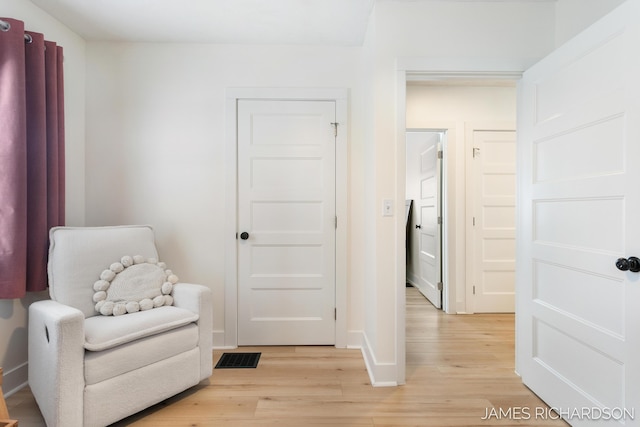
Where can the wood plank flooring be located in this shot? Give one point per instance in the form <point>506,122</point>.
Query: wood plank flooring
<point>459,368</point>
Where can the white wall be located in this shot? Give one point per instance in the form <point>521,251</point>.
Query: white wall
<point>13,313</point>
<point>458,107</point>
<point>156,142</point>
<point>573,16</point>
<point>428,104</point>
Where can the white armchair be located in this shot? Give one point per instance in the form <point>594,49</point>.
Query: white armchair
<point>86,369</point>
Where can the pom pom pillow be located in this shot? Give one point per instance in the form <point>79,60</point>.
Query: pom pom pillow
<point>133,284</point>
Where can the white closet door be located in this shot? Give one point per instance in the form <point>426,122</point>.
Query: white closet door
<point>286,220</point>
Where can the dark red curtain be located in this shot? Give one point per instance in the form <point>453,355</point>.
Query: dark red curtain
<point>31,156</point>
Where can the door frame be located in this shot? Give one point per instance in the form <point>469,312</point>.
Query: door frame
<point>433,69</point>
<point>228,337</point>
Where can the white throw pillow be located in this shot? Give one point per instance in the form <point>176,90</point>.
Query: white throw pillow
<point>133,284</point>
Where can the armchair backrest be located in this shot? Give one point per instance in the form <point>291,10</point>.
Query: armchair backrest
<point>77,256</point>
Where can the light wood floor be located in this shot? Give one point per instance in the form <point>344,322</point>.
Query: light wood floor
<point>458,368</point>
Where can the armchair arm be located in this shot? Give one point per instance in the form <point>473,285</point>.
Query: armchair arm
<point>199,299</point>
<point>56,361</point>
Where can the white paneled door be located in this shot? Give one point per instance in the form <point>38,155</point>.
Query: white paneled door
<point>492,236</point>
<point>287,222</point>
<point>578,314</point>
<point>429,222</point>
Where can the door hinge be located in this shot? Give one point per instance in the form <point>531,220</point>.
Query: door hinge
<point>335,314</point>
<point>439,286</point>
<point>336,221</point>
<point>474,290</point>
<point>476,151</point>
<point>439,220</point>
<point>439,154</point>
<point>474,221</point>
<point>335,128</point>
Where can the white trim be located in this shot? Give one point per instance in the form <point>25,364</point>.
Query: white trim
<point>229,337</point>
<point>342,212</point>
<point>436,69</point>
<point>380,374</point>
<point>401,250</point>
<point>218,338</point>
<point>230,229</point>
<point>417,69</point>
<point>355,339</point>
<point>15,379</point>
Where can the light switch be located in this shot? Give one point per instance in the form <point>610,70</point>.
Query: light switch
<point>387,207</point>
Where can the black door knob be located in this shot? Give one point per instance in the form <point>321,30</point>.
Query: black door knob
<point>418,226</point>
<point>244,235</point>
<point>630,264</point>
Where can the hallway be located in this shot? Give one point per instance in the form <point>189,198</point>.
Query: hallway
<point>469,358</point>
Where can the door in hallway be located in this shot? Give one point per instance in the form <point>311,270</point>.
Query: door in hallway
<point>286,220</point>
<point>492,235</point>
<point>424,169</point>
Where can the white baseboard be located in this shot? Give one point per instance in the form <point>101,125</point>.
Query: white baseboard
<point>355,339</point>
<point>218,339</point>
<point>380,374</point>
<point>412,279</point>
<point>15,379</point>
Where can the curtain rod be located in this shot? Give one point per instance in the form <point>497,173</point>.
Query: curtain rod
<point>5,26</point>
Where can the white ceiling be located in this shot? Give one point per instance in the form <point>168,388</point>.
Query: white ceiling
<point>310,22</point>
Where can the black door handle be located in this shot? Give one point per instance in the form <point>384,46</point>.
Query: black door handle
<point>418,226</point>
<point>244,235</point>
<point>630,264</point>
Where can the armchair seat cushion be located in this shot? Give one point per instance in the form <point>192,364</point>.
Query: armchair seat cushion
<point>105,332</point>
<point>103,365</point>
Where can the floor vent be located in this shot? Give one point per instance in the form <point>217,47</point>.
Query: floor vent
<point>238,360</point>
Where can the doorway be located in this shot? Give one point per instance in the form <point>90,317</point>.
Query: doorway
<point>464,113</point>
<point>427,71</point>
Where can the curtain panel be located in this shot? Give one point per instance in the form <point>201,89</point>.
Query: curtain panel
<point>31,155</point>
